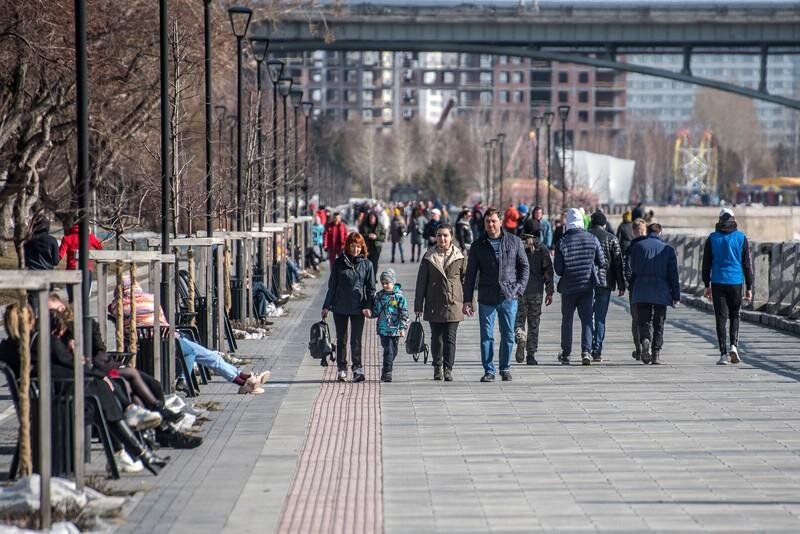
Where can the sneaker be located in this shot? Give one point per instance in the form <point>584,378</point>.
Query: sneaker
<point>654,360</point>
<point>586,359</point>
<point>437,373</point>
<point>645,353</point>
<point>386,377</point>
<point>564,359</point>
<point>140,419</point>
<point>520,354</point>
<point>250,387</point>
<point>488,377</point>
<point>723,359</point>
<point>341,376</point>
<point>263,376</point>
<point>178,440</point>
<point>358,376</point>
<point>448,375</point>
<point>230,358</point>
<point>734,354</point>
<point>636,355</point>
<point>531,360</point>
<point>505,376</point>
<point>597,357</point>
<point>126,464</point>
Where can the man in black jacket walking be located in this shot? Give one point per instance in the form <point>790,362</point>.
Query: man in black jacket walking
<point>577,259</point>
<point>609,278</point>
<point>529,307</point>
<point>500,259</point>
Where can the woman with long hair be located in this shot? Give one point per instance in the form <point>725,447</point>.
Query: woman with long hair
<point>351,288</point>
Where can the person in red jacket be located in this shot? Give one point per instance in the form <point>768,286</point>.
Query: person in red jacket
<point>510,219</point>
<point>70,245</point>
<point>334,238</point>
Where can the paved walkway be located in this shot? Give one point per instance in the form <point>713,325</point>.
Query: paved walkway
<point>616,447</point>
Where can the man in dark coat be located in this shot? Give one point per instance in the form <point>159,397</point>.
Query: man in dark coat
<point>609,279</point>
<point>577,259</point>
<point>639,229</point>
<point>654,279</point>
<point>41,250</point>
<point>529,308</point>
<point>625,232</point>
<point>500,259</point>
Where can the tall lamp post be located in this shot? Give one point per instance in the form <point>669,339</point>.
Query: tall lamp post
<point>307,107</point>
<point>208,96</point>
<point>240,20</point>
<point>487,147</point>
<point>536,122</point>
<point>259,54</point>
<point>284,88</point>
<point>275,70</point>
<point>563,114</point>
<point>501,139</point>
<point>548,121</point>
<point>222,115</point>
<point>297,99</point>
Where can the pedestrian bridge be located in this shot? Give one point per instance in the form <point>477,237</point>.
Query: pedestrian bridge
<point>616,447</point>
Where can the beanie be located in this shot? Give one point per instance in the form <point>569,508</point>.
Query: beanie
<point>574,218</point>
<point>389,275</point>
<point>532,227</point>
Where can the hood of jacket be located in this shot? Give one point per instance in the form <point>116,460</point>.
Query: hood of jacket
<point>74,229</point>
<point>454,254</point>
<point>353,261</point>
<point>41,226</point>
<point>727,226</point>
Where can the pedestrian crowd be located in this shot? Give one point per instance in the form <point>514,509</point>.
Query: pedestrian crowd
<point>512,262</point>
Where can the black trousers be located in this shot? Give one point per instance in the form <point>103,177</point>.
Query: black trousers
<point>373,257</point>
<point>389,344</point>
<point>443,344</point>
<point>727,300</point>
<point>634,323</point>
<point>651,318</point>
<point>356,323</point>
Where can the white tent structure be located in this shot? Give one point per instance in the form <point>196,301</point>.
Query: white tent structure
<point>608,177</point>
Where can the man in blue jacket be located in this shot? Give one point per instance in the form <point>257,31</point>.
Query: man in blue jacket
<point>726,267</point>
<point>577,260</point>
<point>500,258</point>
<point>654,279</point>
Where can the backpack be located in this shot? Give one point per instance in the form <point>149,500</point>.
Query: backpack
<point>415,341</point>
<point>319,344</point>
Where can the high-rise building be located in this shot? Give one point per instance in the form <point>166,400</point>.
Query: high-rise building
<point>671,103</point>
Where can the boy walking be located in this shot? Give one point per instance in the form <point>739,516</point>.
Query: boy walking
<point>391,309</point>
<point>529,308</point>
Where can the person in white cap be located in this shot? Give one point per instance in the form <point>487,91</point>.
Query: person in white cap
<point>726,268</point>
<point>429,233</point>
<point>578,257</point>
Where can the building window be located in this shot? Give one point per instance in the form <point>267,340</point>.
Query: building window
<point>503,77</point>
<point>563,77</point>
<point>331,95</point>
<point>516,60</point>
<point>583,97</point>
<point>351,96</point>
<point>516,76</point>
<point>583,77</point>
<point>448,77</point>
<point>316,95</point>
<point>332,75</point>
<point>366,78</point>
<point>516,97</point>
<point>502,60</point>
<point>502,97</point>
<point>486,79</point>
<point>366,96</point>
<point>429,77</point>
<point>351,76</point>
<point>583,116</point>
<point>563,97</point>
<point>486,98</point>
<point>316,76</point>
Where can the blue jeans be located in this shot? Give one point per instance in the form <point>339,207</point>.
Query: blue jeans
<point>583,303</point>
<point>506,311</point>
<point>207,358</point>
<point>602,298</point>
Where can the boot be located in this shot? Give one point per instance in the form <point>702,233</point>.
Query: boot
<point>654,360</point>
<point>448,375</point>
<point>152,462</point>
<point>125,435</point>
<point>437,372</point>
<point>531,359</point>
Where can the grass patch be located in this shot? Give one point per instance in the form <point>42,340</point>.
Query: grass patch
<point>211,406</point>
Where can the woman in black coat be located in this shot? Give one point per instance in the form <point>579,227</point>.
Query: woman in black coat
<point>351,288</point>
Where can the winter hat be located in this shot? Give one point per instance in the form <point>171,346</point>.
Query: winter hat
<point>436,211</point>
<point>574,218</point>
<point>726,213</point>
<point>599,218</point>
<point>532,227</point>
<point>389,275</point>
<point>522,208</point>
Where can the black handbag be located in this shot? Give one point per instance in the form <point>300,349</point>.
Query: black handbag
<point>320,345</point>
<point>415,341</point>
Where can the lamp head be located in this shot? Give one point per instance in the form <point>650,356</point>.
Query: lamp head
<point>275,69</point>
<point>240,19</point>
<point>307,107</point>
<point>536,121</point>
<point>501,138</point>
<point>563,112</point>
<point>296,95</point>
<point>284,86</point>
<point>548,117</point>
<point>221,110</point>
<point>259,47</point>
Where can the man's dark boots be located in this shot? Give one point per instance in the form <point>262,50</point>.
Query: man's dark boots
<point>437,372</point>
<point>531,360</point>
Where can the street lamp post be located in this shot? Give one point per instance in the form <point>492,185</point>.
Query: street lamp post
<point>222,113</point>
<point>548,121</point>
<point>240,20</point>
<point>537,123</point>
<point>259,54</point>
<point>501,139</point>
<point>275,70</point>
<point>284,88</point>
<point>493,174</point>
<point>307,107</point>
<point>563,114</point>
<point>487,147</point>
<point>297,99</point>
<point>208,96</point>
